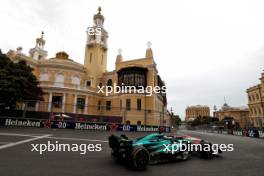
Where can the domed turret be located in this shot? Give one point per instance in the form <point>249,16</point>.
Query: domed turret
<point>119,57</point>
<point>149,50</point>
<point>99,18</point>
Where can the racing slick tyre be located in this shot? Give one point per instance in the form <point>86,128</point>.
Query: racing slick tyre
<point>184,155</point>
<point>113,144</point>
<point>140,158</point>
<point>114,153</point>
<point>207,154</point>
<point>113,141</point>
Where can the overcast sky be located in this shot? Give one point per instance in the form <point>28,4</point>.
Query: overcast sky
<point>204,49</point>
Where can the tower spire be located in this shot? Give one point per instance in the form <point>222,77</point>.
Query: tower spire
<point>99,10</point>
<point>38,51</point>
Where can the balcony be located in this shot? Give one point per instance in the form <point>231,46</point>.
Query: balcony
<point>65,86</point>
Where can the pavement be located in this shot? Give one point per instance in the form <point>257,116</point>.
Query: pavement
<point>17,159</point>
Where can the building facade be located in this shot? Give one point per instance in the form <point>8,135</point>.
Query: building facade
<point>238,115</point>
<point>192,112</point>
<point>256,103</point>
<point>71,87</point>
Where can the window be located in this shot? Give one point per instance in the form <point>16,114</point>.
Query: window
<point>257,96</point>
<point>88,83</point>
<point>128,104</point>
<point>99,105</point>
<point>91,57</point>
<point>44,77</point>
<point>76,81</point>
<point>59,80</point>
<point>109,84</point>
<point>57,101</point>
<point>31,104</point>
<point>108,105</point>
<point>139,104</point>
<point>80,103</point>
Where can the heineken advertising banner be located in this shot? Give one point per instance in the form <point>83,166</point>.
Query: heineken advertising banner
<point>21,122</point>
<point>256,133</point>
<point>107,127</point>
<point>79,125</point>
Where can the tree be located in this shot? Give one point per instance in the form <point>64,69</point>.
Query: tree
<point>176,120</point>
<point>206,120</point>
<point>17,83</point>
<point>197,121</point>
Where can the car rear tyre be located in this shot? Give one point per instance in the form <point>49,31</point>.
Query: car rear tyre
<point>184,155</point>
<point>207,154</point>
<point>114,153</point>
<point>140,158</point>
<point>113,141</point>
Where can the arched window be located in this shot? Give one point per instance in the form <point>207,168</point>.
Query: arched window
<point>257,95</point>
<point>109,84</point>
<point>76,81</point>
<point>44,77</point>
<point>127,122</point>
<point>59,80</point>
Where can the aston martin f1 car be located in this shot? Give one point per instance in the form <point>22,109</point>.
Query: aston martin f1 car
<point>156,148</point>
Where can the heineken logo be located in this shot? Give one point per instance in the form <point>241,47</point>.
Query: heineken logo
<point>22,123</point>
<point>147,129</point>
<point>90,126</point>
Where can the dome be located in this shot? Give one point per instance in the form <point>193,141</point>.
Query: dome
<point>62,55</point>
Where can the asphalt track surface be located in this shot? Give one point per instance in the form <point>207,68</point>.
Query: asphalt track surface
<point>17,159</point>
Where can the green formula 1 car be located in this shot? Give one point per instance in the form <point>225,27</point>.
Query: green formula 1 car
<point>155,148</point>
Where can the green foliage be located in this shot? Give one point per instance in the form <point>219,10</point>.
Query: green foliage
<point>176,120</point>
<point>17,83</point>
<point>206,120</point>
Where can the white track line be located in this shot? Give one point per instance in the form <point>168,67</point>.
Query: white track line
<point>24,141</point>
<point>16,134</point>
<point>76,139</point>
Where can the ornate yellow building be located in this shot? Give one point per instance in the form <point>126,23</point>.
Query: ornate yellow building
<point>238,114</point>
<point>71,87</point>
<point>192,112</point>
<point>256,103</point>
